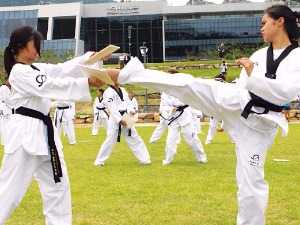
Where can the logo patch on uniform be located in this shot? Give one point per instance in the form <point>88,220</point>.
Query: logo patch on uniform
<point>254,160</point>
<point>41,79</point>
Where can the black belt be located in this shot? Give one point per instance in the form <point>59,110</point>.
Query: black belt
<point>260,102</point>
<point>63,107</point>
<point>122,112</point>
<point>102,109</point>
<point>55,162</point>
<point>61,116</point>
<point>163,116</point>
<point>179,109</point>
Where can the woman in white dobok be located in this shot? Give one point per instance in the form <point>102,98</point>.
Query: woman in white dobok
<point>32,147</point>
<point>251,109</point>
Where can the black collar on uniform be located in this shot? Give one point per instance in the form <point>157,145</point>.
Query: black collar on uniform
<point>119,92</point>
<point>32,66</point>
<point>272,64</point>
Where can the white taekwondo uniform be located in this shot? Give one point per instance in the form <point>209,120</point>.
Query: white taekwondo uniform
<point>213,125</point>
<point>64,116</point>
<point>181,120</point>
<point>134,104</point>
<point>26,143</point>
<point>100,115</point>
<point>116,107</point>
<point>225,101</point>
<point>5,110</point>
<point>164,112</point>
<point>197,115</point>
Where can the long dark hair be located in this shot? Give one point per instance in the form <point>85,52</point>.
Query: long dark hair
<point>290,20</point>
<point>18,40</point>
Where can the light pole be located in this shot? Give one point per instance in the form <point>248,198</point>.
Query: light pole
<point>129,39</point>
<point>143,51</point>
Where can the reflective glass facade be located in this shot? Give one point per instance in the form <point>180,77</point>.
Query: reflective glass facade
<point>128,31</point>
<point>61,46</point>
<point>184,36</point>
<point>43,2</point>
<point>10,20</point>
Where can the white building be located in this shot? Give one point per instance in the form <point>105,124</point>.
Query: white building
<point>168,31</point>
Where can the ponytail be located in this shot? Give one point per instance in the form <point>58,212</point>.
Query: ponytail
<point>9,60</point>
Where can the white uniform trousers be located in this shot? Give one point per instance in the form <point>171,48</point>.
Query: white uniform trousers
<point>253,190</point>
<point>135,143</point>
<point>159,130</point>
<point>197,125</point>
<point>213,124</point>
<point>16,175</point>
<point>97,123</point>
<point>69,129</point>
<point>189,136</point>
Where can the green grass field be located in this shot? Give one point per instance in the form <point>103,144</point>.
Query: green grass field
<point>183,193</point>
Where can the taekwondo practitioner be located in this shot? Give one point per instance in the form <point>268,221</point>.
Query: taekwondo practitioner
<point>181,120</point>
<point>100,113</point>
<point>164,113</point>
<point>5,110</point>
<point>213,127</point>
<point>64,117</point>
<point>223,70</point>
<point>118,103</point>
<point>32,148</point>
<point>251,109</point>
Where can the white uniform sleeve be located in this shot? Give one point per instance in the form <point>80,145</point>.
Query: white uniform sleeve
<point>277,91</point>
<point>30,82</point>
<point>69,68</point>
<point>109,101</point>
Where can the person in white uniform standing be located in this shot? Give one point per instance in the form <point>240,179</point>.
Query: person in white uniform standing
<point>100,113</point>
<point>181,120</point>
<point>32,149</point>
<point>213,127</point>
<point>251,109</point>
<point>118,103</point>
<point>64,117</point>
<point>164,113</point>
<point>5,111</point>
